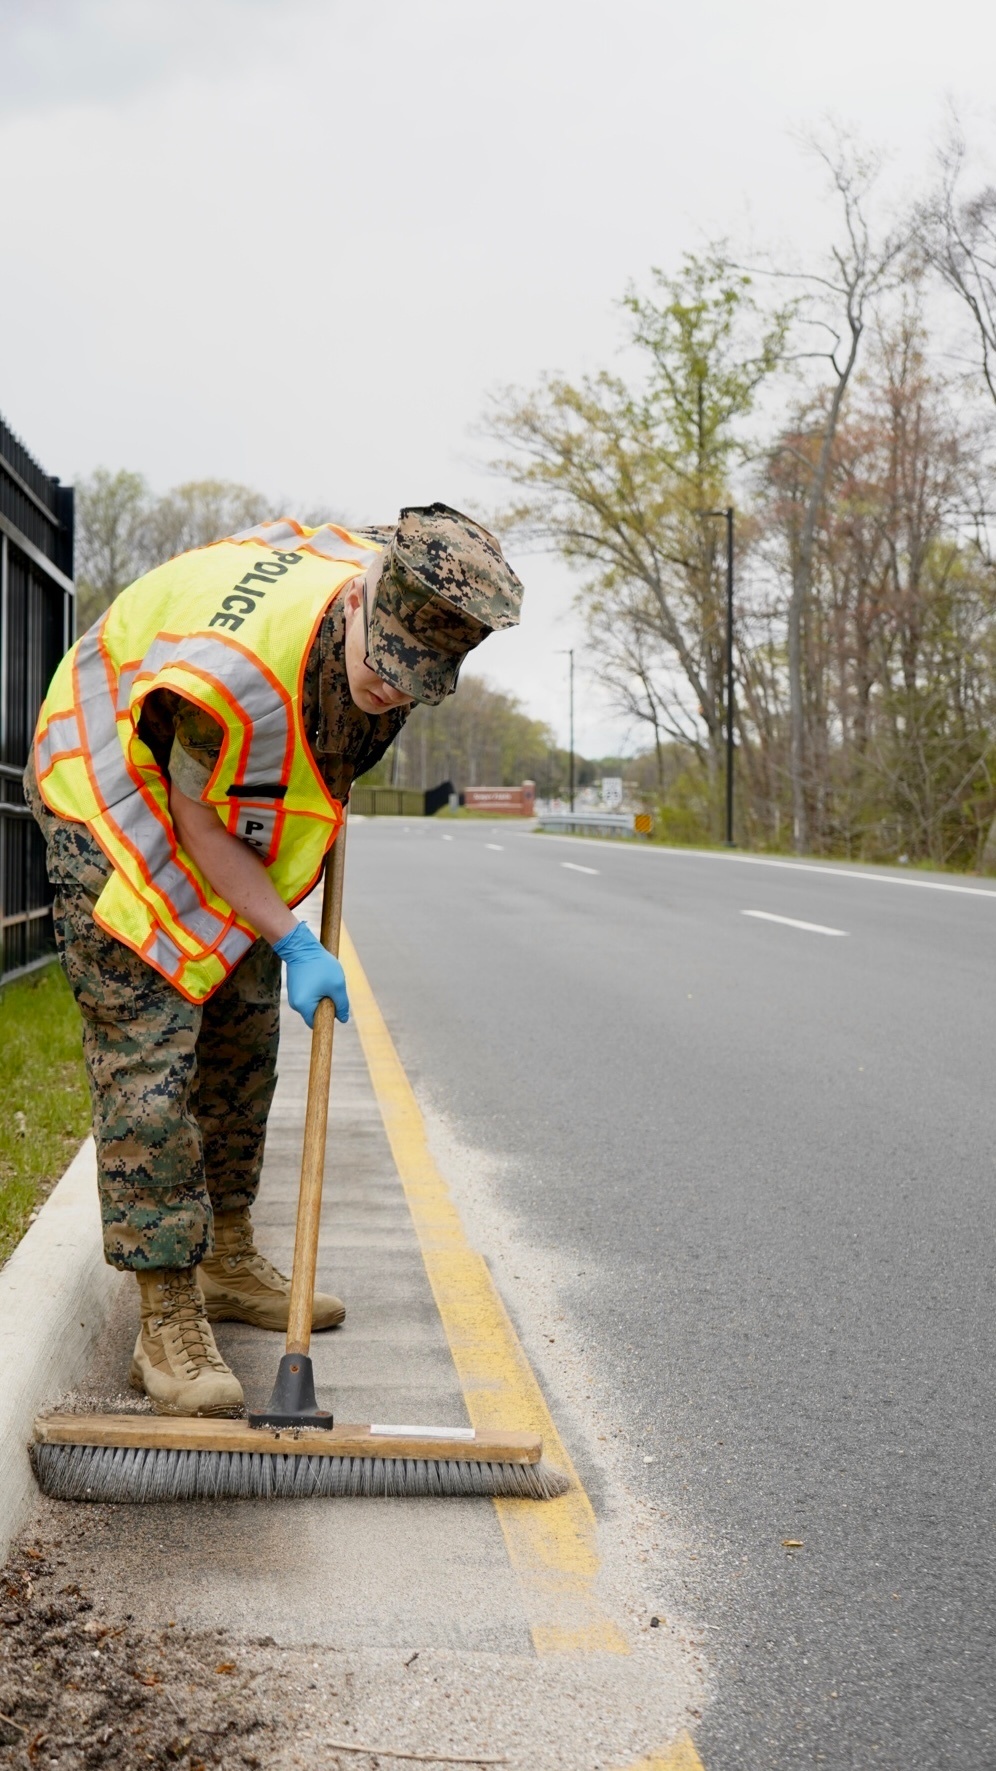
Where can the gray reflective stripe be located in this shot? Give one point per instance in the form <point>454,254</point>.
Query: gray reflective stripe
<point>98,725</point>
<point>127,810</point>
<point>62,735</point>
<point>282,535</point>
<point>125,681</point>
<point>255,825</point>
<point>235,945</point>
<point>326,541</point>
<point>165,954</point>
<point>258,701</point>
<point>332,547</point>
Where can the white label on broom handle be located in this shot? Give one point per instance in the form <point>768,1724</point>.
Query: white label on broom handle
<point>456,1433</point>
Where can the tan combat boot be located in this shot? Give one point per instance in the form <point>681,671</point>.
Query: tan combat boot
<point>176,1361</point>
<point>241,1285</point>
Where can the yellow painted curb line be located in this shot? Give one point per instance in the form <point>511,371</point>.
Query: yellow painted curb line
<point>553,1545</point>
<point>679,1757</point>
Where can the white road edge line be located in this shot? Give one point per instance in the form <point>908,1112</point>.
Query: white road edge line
<point>843,871</point>
<point>792,922</point>
<point>576,867</point>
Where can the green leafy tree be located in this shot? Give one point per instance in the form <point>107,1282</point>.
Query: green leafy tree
<point>617,476</point>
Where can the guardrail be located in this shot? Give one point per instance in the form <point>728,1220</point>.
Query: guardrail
<point>587,823</point>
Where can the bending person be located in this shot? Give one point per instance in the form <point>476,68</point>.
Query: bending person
<point>190,766</point>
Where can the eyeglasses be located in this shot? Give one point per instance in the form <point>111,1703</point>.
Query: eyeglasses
<point>366,626</point>
<point>374,669</point>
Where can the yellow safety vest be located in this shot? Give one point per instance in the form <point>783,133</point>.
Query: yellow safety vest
<point>229,627</point>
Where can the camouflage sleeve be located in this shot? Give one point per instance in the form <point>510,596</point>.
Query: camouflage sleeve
<point>197,740</point>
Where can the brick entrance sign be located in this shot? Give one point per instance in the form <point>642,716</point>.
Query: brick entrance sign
<point>519,801</point>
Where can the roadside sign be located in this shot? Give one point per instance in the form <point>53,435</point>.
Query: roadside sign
<point>612,792</point>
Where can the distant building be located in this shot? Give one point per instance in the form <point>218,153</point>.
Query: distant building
<point>36,627</point>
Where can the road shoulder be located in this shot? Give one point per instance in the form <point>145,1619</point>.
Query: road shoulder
<point>291,1633</point>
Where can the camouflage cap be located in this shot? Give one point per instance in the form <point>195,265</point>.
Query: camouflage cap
<point>445,586</point>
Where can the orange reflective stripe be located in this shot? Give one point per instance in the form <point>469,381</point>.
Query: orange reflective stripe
<point>126,682</point>
<point>257,824</point>
<point>266,786</point>
<point>123,801</point>
<point>60,738</point>
<point>329,542</point>
<point>164,954</point>
<point>278,533</point>
<point>329,545</point>
<point>253,692</point>
<point>235,946</point>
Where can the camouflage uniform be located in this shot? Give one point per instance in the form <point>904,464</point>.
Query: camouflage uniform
<point>181,1090</point>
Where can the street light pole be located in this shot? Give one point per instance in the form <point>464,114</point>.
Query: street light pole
<point>569,651</point>
<point>571,657</point>
<point>727,515</point>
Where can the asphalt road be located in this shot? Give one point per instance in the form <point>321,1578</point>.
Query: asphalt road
<point>771,1150</point>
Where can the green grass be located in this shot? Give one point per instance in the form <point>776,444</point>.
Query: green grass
<point>44,1101</point>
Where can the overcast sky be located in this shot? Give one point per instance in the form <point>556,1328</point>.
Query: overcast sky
<point>297,242</point>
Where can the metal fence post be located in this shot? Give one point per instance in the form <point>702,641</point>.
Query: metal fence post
<point>36,626</point>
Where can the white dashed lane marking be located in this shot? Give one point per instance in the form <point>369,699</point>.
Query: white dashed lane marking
<point>576,867</point>
<point>792,922</point>
<point>495,845</point>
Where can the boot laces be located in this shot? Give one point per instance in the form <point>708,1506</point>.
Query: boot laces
<point>240,1250</point>
<point>238,1238</point>
<point>183,1315</point>
<point>266,1271</point>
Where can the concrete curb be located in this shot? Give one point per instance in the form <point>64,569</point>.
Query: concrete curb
<point>56,1294</point>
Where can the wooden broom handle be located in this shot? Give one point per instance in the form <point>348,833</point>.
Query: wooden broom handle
<point>309,1202</point>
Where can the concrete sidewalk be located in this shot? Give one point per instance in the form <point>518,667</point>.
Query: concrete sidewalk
<point>391,1623</point>
<point>316,1571</point>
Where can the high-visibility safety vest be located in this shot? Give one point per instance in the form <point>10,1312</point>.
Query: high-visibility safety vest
<point>228,627</point>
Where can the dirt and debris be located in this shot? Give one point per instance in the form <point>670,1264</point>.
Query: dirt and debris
<point>78,1689</point>
<point>96,1669</point>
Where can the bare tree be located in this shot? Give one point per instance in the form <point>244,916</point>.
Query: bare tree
<point>199,512</point>
<point>837,303</point>
<point>111,509</point>
<point>956,235</point>
<point>123,531</point>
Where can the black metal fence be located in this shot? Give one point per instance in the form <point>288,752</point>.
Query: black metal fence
<point>36,626</point>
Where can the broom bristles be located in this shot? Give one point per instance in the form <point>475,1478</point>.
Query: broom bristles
<point>132,1474</point>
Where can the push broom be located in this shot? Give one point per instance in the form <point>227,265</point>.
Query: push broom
<point>291,1448</point>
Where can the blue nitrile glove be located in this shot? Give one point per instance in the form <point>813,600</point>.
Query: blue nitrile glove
<point>312,972</point>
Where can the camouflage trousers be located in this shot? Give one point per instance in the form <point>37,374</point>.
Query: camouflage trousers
<point>180,1090</point>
